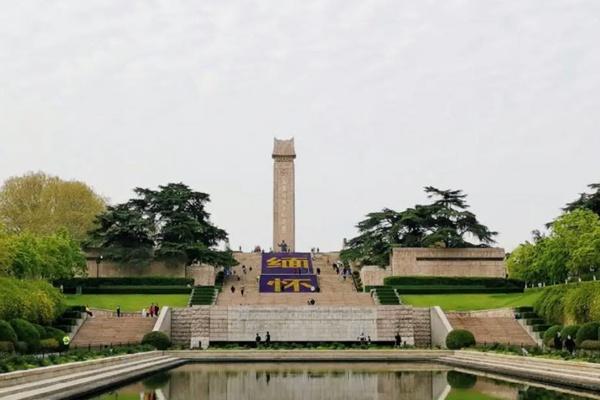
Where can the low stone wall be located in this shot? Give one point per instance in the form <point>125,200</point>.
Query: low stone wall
<point>473,262</point>
<point>197,326</point>
<point>373,275</point>
<point>493,313</point>
<point>440,327</point>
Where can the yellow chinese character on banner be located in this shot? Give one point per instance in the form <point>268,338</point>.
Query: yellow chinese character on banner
<point>294,263</point>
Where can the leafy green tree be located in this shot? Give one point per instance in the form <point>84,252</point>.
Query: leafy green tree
<point>169,223</point>
<point>443,223</point>
<point>25,255</point>
<point>571,248</point>
<point>590,201</point>
<point>45,204</point>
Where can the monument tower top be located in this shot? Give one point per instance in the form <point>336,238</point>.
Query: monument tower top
<point>284,148</point>
<point>284,213</point>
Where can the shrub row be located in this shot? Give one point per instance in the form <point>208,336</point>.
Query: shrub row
<point>136,290</point>
<point>572,303</point>
<point>14,363</point>
<point>441,289</point>
<point>125,281</point>
<point>33,300</point>
<point>588,332</point>
<point>452,281</point>
<point>25,337</point>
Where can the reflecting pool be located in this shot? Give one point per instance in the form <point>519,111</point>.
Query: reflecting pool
<point>330,381</point>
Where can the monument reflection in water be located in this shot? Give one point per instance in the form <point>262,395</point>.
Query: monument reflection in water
<point>324,381</point>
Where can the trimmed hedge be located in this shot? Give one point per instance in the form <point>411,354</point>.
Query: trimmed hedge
<point>158,340</point>
<point>49,345</point>
<point>452,281</point>
<point>460,338</point>
<point>27,333</point>
<point>7,347</point>
<point>7,333</point>
<point>441,289</point>
<point>587,331</point>
<point>590,345</point>
<point>32,300</point>
<point>137,290</point>
<point>572,303</point>
<point>126,281</point>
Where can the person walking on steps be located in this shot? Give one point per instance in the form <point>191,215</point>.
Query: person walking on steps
<point>88,311</point>
<point>118,311</point>
<point>268,339</point>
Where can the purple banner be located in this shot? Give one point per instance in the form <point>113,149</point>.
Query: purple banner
<point>288,283</point>
<point>286,263</point>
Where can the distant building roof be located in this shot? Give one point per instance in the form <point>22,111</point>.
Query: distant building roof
<point>284,148</point>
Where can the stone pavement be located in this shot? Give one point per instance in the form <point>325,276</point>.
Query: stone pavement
<point>334,289</point>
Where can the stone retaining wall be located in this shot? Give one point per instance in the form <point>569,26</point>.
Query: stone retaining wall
<point>196,326</point>
<point>472,262</point>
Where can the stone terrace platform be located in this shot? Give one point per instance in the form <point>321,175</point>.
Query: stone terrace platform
<point>335,291</point>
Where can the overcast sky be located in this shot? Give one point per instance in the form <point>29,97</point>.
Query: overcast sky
<point>498,98</point>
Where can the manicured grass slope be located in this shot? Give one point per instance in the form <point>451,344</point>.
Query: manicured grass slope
<point>128,302</point>
<point>466,302</point>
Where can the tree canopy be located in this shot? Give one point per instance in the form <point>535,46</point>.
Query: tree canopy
<point>445,222</point>
<point>27,255</point>
<point>45,204</point>
<point>169,223</point>
<point>572,247</point>
<point>590,201</point>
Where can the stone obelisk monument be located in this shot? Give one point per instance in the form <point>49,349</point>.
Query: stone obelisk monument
<point>284,215</point>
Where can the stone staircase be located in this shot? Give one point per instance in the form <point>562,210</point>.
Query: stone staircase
<point>334,289</point>
<point>495,326</point>
<point>106,329</point>
<point>65,381</point>
<point>570,374</point>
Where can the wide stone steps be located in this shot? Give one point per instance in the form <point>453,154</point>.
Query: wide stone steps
<point>107,330</point>
<point>62,386</point>
<point>581,375</point>
<point>492,329</point>
<point>334,290</point>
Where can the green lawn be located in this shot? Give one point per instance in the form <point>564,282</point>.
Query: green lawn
<point>128,302</point>
<point>466,302</point>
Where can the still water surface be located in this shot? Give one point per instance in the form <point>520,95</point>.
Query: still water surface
<point>330,381</point>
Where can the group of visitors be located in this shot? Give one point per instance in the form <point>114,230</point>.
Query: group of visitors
<point>151,311</point>
<point>242,290</point>
<point>341,269</point>
<point>568,344</point>
<point>258,339</point>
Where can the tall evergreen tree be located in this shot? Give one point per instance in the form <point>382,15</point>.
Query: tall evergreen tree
<point>590,201</point>
<point>170,223</point>
<point>443,223</point>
